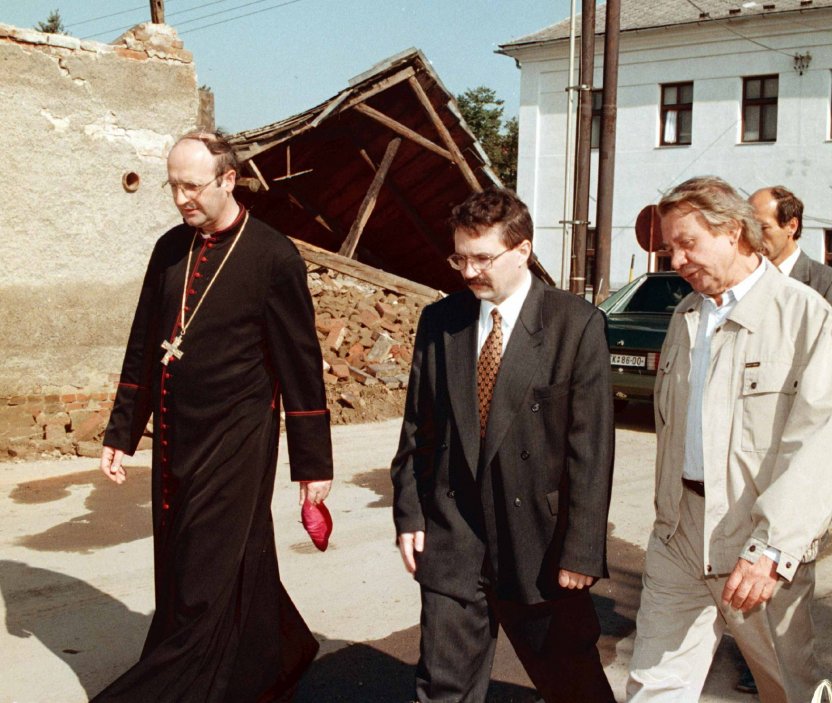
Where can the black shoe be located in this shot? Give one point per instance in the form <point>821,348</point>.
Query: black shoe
<point>746,683</point>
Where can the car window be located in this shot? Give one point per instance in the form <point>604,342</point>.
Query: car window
<point>658,294</point>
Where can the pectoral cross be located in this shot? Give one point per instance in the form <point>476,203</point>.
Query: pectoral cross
<point>172,349</point>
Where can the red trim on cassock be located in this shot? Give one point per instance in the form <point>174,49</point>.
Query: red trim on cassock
<point>133,385</point>
<point>308,412</point>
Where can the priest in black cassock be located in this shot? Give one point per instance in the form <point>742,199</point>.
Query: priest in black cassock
<point>223,333</point>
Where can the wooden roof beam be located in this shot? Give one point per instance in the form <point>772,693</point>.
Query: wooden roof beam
<point>311,209</point>
<point>363,272</point>
<point>406,132</point>
<point>458,157</point>
<point>368,205</point>
<point>416,220</point>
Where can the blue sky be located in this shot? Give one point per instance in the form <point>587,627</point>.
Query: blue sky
<point>288,55</point>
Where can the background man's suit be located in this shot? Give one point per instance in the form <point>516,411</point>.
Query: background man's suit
<point>813,274</point>
<point>531,497</point>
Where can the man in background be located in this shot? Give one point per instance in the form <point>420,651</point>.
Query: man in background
<point>780,214</point>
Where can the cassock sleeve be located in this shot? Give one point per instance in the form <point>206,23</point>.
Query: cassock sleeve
<point>133,404</point>
<point>296,358</point>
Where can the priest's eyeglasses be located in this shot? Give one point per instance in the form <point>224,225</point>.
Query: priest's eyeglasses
<point>189,190</point>
<point>479,262</point>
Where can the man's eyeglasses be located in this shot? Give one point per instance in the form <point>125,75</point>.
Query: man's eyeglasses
<point>479,262</point>
<point>189,190</point>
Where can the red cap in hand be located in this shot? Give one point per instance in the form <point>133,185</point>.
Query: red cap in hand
<point>317,522</point>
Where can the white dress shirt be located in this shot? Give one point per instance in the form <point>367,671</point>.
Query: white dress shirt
<point>509,311</point>
<point>788,263</point>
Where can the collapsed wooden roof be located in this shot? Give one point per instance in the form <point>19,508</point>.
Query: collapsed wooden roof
<point>371,174</point>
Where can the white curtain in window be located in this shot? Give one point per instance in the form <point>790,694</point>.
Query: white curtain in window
<point>670,127</point>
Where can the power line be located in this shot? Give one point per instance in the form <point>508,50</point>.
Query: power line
<point>104,17</point>
<point>168,15</point>
<point>740,35</point>
<point>247,14</point>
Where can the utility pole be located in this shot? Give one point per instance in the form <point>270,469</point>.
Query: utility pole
<point>606,156</point>
<point>157,11</point>
<point>580,216</point>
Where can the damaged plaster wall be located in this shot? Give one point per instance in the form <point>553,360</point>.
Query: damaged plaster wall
<point>80,121</point>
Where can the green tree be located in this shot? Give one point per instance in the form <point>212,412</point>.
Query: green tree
<point>53,25</point>
<point>483,111</point>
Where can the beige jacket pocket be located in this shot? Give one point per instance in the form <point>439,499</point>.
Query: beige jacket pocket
<point>768,389</point>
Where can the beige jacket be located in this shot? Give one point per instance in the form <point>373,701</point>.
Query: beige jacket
<point>767,425</point>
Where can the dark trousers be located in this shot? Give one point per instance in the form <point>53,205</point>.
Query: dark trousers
<point>555,642</point>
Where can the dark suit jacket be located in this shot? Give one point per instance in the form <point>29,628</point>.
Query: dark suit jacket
<point>813,274</point>
<point>534,495</point>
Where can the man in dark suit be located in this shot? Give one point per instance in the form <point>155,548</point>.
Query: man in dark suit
<point>503,472</point>
<point>780,214</point>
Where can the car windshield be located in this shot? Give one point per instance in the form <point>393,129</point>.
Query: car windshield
<point>648,294</point>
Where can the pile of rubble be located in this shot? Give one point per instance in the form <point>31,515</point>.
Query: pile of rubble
<point>366,335</point>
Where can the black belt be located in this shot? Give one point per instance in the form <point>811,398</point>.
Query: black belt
<point>697,487</point>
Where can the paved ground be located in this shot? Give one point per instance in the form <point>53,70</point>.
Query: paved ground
<point>76,579</point>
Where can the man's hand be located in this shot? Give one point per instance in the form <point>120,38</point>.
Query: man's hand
<point>750,584</point>
<point>111,464</point>
<point>410,542</point>
<point>314,491</point>
<point>572,579</point>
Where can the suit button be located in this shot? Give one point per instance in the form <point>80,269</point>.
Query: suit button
<point>517,502</point>
<point>524,455</point>
<point>754,384</point>
<point>788,565</point>
<point>451,493</point>
<point>535,407</point>
<point>444,445</point>
<point>752,548</point>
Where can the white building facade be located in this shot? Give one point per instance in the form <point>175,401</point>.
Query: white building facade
<point>742,92</point>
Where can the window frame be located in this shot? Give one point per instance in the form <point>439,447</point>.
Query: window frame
<point>677,107</point>
<point>763,103</point>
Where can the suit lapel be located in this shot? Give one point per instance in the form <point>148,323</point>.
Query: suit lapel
<point>520,362</point>
<point>461,363</point>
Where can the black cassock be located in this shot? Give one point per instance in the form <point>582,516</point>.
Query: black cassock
<point>224,628</point>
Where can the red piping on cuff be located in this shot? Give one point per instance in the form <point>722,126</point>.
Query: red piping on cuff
<point>307,412</point>
<point>132,385</point>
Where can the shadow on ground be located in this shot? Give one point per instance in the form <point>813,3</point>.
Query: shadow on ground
<point>95,635</point>
<point>636,416</point>
<point>115,514</point>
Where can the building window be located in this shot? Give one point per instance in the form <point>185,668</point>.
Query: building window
<point>597,104</point>
<point>759,109</point>
<point>827,247</point>
<point>677,113</point>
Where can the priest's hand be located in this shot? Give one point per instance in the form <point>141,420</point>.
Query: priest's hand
<point>111,464</point>
<point>314,491</point>
<point>409,543</point>
<point>572,579</point>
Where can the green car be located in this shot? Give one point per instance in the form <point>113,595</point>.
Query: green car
<point>638,316</point>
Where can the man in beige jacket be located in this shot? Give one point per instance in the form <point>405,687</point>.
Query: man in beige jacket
<point>743,406</point>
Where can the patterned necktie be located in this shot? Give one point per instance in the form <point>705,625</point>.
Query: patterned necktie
<point>487,367</point>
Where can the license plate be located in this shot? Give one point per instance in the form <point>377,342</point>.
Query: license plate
<point>628,360</point>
